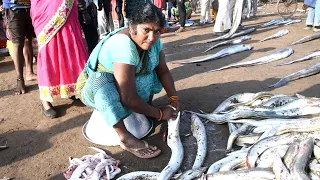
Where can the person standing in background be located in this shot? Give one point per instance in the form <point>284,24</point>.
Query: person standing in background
<point>313,18</point>
<point>89,24</point>
<point>105,22</point>
<point>62,52</point>
<point>223,21</point>
<point>19,25</point>
<point>182,15</point>
<point>205,13</point>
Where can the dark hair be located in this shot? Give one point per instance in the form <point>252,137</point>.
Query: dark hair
<point>147,13</point>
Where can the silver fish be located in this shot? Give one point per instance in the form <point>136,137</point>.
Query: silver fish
<point>280,54</point>
<point>272,22</point>
<point>199,132</point>
<point>241,33</point>
<point>302,158</point>
<point>140,175</point>
<point>192,173</point>
<point>308,71</point>
<point>174,142</point>
<point>222,53</point>
<point>244,174</point>
<point>284,21</point>
<point>306,39</point>
<point>279,168</point>
<point>276,35</point>
<point>310,56</point>
<point>293,21</point>
<point>288,138</point>
<point>231,41</point>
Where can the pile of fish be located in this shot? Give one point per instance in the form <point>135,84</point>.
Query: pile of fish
<point>93,167</point>
<point>279,135</point>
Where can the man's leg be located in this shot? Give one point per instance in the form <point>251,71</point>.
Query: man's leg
<point>15,25</point>
<point>28,57</point>
<point>316,22</point>
<point>182,15</point>
<point>18,60</point>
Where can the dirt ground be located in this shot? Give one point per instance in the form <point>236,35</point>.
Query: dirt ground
<point>39,148</point>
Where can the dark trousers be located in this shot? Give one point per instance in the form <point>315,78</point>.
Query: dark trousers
<point>182,12</point>
<point>119,13</point>
<point>90,30</point>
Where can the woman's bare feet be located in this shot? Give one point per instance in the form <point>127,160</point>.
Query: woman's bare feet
<point>139,148</point>
<point>30,76</point>
<point>21,87</point>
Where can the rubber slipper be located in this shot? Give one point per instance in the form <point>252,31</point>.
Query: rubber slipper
<point>50,113</point>
<point>152,151</point>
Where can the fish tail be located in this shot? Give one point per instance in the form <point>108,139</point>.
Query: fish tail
<point>283,64</point>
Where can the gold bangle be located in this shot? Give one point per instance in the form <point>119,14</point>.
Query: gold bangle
<point>173,98</point>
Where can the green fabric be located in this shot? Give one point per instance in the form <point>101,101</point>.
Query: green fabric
<point>175,12</point>
<point>97,84</point>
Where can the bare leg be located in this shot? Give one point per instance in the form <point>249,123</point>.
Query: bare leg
<point>134,145</point>
<point>18,60</point>
<point>28,56</point>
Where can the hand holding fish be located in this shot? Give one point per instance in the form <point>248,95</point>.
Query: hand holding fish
<point>175,102</point>
<point>168,112</point>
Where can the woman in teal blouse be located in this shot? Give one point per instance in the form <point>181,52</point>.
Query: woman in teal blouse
<point>123,73</point>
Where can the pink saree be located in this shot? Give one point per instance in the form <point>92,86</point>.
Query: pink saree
<point>62,52</point>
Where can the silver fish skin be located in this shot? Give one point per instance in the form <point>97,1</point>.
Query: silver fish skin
<point>280,54</point>
<point>233,136</point>
<point>231,41</point>
<point>308,57</point>
<point>220,54</point>
<point>244,174</point>
<point>301,160</point>
<point>284,21</point>
<point>174,142</point>
<point>306,39</point>
<point>272,22</point>
<point>199,132</point>
<point>242,98</point>
<point>215,167</point>
<point>241,33</point>
<point>192,173</point>
<point>140,175</point>
<point>308,71</point>
<point>276,35</point>
<point>258,148</point>
<point>279,169</point>
<point>293,21</point>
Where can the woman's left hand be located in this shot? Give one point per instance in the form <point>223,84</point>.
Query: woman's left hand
<point>176,104</point>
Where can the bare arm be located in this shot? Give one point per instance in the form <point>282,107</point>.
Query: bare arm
<point>166,77</point>
<point>126,84</point>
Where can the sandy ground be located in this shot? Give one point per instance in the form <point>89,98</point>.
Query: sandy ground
<point>39,148</point>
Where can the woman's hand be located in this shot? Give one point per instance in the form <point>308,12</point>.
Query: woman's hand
<point>168,113</point>
<point>176,104</point>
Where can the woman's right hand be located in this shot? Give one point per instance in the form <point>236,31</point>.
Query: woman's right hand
<point>168,112</point>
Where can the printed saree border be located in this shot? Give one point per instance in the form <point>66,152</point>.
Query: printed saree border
<point>55,23</point>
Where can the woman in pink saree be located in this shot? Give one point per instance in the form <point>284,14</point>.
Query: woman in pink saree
<point>62,52</point>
